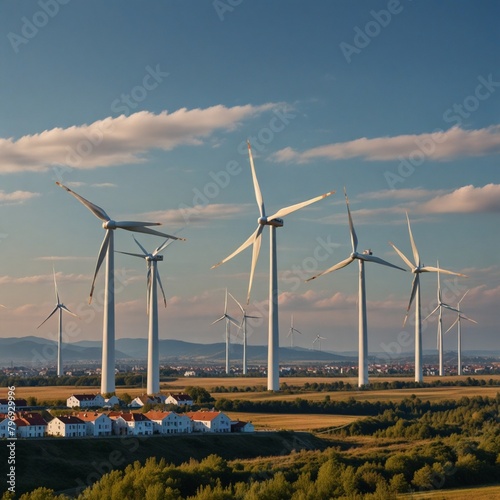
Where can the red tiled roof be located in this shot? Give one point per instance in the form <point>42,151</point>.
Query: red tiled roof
<point>206,416</point>
<point>88,416</point>
<point>157,415</point>
<point>135,417</point>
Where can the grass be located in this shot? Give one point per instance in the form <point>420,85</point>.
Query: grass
<point>478,493</point>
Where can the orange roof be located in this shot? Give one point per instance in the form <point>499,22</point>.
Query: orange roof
<point>88,416</point>
<point>157,415</point>
<point>206,416</point>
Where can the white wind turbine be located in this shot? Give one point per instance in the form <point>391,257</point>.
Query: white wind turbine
<point>292,332</point>
<point>107,251</point>
<point>458,322</point>
<point>417,269</point>
<point>59,307</point>
<point>366,256</point>
<point>243,325</point>
<point>440,306</point>
<point>153,278</point>
<point>273,222</point>
<point>229,319</point>
<point>318,339</point>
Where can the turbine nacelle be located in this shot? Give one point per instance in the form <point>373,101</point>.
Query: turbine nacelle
<point>154,258</point>
<point>264,221</point>
<point>109,224</point>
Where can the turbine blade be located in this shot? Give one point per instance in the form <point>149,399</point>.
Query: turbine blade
<point>97,211</point>
<point>146,230</point>
<point>354,238</point>
<point>336,267</point>
<point>232,320</point>
<point>144,251</point>
<point>55,286</point>
<point>161,287</point>
<point>402,255</point>
<point>246,244</point>
<point>378,260</point>
<point>255,256</point>
<point>256,187</point>
<point>292,208</point>
<point>414,286</point>
<point>463,316</point>
<point>446,306</point>
<point>431,313</point>
<point>431,269</point>
<point>162,247</point>
<point>225,304</point>
<point>217,320</point>
<point>463,296</point>
<point>100,259</point>
<point>133,254</point>
<point>239,305</point>
<point>49,316</point>
<point>148,286</point>
<point>416,256</point>
<point>62,306</point>
<point>452,325</point>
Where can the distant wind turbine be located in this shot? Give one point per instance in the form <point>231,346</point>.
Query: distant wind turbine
<point>153,278</point>
<point>107,251</point>
<point>458,321</point>
<point>318,339</point>
<point>60,307</point>
<point>366,256</point>
<point>417,269</point>
<point>292,332</point>
<point>243,325</point>
<point>273,222</point>
<point>440,306</point>
<point>229,319</point>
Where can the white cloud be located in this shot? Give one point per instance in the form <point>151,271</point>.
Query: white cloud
<point>120,140</point>
<point>440,146</point>
<point>16,197</point>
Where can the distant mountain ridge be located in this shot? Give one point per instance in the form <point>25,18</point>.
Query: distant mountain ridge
<point>33,349</point>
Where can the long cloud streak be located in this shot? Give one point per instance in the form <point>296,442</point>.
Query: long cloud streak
<point>120,140</point>
<point>440,146</point>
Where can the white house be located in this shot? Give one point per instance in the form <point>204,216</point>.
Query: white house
<point>85,401</point>
<point>30,425</point>
<point>7,429</point>
<point>140,401</point>
<point>210,421</point>
<point>96,424</point>
<point>169,422</point>
<point>67,426</point>
<point>179,399</point>
<point>112,401</point>
<point>132,424</point>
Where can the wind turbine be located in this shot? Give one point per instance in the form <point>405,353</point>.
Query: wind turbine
<point>107,251</point>
<point>229,319</point>
<point>153,278</point>
<point>318,339</point>
<point>273,222</point>
<point>59,307</point>
<point>417,269</point>
<point>439,307</point>
<point>458,321</point>
<point>366,256</point>
<point>243,325</point>
<point>292,332</point>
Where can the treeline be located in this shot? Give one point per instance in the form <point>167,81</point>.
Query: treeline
<point>121,379</point>
<point>408,406</point>
<point>340,385</point>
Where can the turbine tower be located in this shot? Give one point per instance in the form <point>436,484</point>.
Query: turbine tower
<point>153,278</point>
<point>318,339</point>
<point>366,256</point>
<point>439,307</point>
<point>107,252</point>
<point>458,322</point>
<point>292,332</point>
<point>229,319</point>
<point>243,325</point>
<point>59,307</point>
<point>274,221</point>
<point>417,269</point>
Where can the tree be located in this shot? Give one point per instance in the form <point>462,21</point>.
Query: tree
<point>199,394</point>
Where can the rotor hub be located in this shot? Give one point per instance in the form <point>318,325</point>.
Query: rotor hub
<point>109,224</point>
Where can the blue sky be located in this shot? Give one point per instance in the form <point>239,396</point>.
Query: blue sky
<point>144,109</point>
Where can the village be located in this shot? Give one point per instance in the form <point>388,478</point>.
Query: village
<point>95,416</point>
